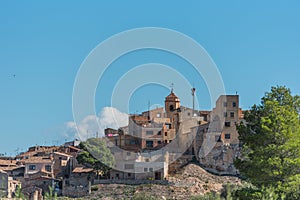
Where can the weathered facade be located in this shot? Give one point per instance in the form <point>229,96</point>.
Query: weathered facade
<point>209,136</point>
<point>78,184</point>
<point>3,184</point>
<point>8,185</point>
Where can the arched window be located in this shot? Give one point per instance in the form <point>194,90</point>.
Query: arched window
<point>171,107</point>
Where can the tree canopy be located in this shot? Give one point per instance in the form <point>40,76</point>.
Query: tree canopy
<point>96,154</point>
<point>270,135</point>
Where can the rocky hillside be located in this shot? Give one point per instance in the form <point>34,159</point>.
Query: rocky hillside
<point>191,180</point>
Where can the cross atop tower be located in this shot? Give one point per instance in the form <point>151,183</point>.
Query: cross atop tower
<point>172,87</point>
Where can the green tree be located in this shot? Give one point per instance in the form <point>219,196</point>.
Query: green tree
<point>50,195</point>
<point>18,193</point>
<point>96,154</point>
<point>271,143</point>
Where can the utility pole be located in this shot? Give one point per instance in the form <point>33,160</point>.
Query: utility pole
<point>193,94</point>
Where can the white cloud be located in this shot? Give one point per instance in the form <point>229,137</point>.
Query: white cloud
<point>109,117</point>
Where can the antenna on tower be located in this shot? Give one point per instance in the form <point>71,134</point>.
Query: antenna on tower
<point>148,110</point>
<point>193,94</point>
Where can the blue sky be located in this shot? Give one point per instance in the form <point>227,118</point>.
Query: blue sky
<point>255,45</point>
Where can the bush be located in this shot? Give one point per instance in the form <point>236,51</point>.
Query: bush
<point>95,188</point>
<point>142,196</point>
<point>208,196</point>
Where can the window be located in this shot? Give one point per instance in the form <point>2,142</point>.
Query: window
<point>149,143</point>
<point>149,132</point>
<point>32,167</point>
<point>129,175</point>
<point>231,114</point>
<point>188,114</point>
<point>159,133</point>
<point>145,169</point>
<point>227,124</point>
<point>233,104</point>
<point>48,168</point>
<point>166,134</point>
<point>225,104</point>
<point>217,138</point>
<point>128,166</point>
<point>150,169</point>
<point>132,142</point>
<point>158,142</point>
<point>225,114</point>
<point>147,160</point>
<point>128,153</point>
<point>227,136</point>
<point>166,141</point>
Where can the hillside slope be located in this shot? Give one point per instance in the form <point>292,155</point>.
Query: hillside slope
<point>191,180</point>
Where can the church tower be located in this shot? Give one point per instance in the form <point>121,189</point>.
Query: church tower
<point>172,108</point>
<point>172,103</point>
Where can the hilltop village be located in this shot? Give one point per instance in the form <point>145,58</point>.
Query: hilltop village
<point>154,145</point>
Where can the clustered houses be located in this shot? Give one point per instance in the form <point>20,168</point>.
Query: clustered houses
<point>43,166</point>
<point>158,142</point>
<point>154,144</point>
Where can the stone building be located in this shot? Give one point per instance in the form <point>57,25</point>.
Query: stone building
<point>78,184</point>
<point>8,185</point>
<point>209,136</point>
<point>227,111</point>
<point>37,164</point>
<point>60,164</point>
<point>220,144</point>
<point>145,165</point>
<point>3,184</point>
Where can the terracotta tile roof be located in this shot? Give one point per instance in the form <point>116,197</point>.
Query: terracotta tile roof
<point>47,177</point>
<point>171,96</point>
<point>10,168</point>
<point>62,154</point>
<point>15,182</point>
<point>74,148</point>
<point>27,154</point>
<point>8,162</point>
<point>35,159</point>
<point>82,170</point>
<point>40,150</point>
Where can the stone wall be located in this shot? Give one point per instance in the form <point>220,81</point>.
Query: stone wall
<point>78,185</point>
<point>3,184</point>
<point>132,182</point>
<point>179,163</point>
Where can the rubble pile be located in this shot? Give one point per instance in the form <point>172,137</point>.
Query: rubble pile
<point>191,180</point>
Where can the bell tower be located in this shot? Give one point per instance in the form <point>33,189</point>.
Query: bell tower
<point>172,108</point>
<point>172,103</point>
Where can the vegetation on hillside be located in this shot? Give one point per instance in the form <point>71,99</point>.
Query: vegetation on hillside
<point>96,154</point>
<point>271,147</point>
